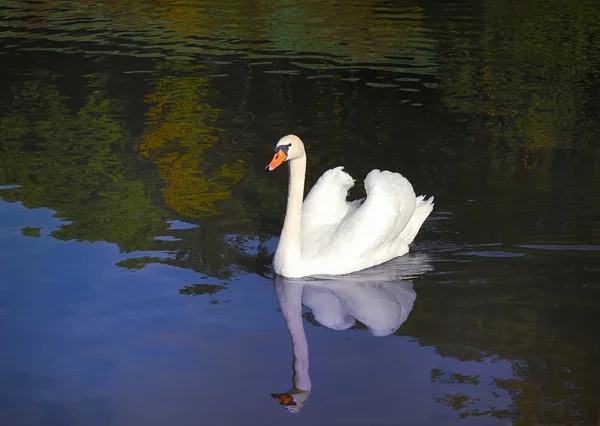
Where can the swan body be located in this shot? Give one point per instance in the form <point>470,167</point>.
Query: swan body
<point>325,234</point>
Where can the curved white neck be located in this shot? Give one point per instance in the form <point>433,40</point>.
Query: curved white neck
<point>289,250</point>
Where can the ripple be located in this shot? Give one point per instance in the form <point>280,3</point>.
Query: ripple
<point>490,254</point>
<point>561,247</point>
<point>404,42</point>
<point>381,84</point>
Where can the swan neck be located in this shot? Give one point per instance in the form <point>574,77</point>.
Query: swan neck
<point>290,241</point>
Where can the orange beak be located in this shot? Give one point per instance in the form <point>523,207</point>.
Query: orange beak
<point>278,158</point>
<point>284,399</point>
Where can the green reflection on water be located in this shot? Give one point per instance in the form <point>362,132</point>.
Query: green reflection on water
<point>84,164</point>
<point>77,163</point>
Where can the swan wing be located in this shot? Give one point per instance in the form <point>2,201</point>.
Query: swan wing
<point>372,234</point>
<point>324,208</point>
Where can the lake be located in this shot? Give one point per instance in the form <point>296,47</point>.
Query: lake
<point>137,224</point>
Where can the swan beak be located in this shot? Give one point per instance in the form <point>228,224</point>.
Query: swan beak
<point>284,399</point>
<point>278,158</point>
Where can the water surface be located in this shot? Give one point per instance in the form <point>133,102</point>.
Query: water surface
<point>137,225</point>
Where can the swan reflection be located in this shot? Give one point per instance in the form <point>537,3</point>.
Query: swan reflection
<point>381,298</point>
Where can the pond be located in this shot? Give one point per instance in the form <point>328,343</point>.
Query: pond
<point>137,224</point>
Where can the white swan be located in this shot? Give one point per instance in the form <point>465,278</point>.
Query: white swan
<point>380,297</point>
<point>328,235</point>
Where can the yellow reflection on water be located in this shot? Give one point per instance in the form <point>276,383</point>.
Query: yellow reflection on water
<point>180,127</point>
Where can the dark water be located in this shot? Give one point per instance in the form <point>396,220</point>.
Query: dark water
<point>137,225</point>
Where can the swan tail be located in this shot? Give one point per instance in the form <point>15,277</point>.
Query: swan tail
<point>423,209</point>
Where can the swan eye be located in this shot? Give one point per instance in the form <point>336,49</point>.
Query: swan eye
<point>284,148</point>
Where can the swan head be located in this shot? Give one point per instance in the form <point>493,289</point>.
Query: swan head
<point>288,148</point>
<point>293,400</point>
